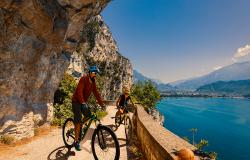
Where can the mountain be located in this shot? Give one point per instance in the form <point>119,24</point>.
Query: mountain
<point>230,88</point>
<point>116,70</point>
<point>236,71</point>
<point>137,76</point>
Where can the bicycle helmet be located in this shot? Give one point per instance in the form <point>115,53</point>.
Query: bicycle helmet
<point>94,69</point>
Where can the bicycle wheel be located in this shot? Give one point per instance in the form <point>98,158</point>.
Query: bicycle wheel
<point>117,119</point>
<point>104,144</point>
<point>68,132</point>
<point>128,128</point>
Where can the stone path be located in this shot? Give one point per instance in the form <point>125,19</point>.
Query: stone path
<point>51,146</point>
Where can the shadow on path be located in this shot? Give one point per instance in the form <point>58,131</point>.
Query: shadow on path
<point>61,153</point>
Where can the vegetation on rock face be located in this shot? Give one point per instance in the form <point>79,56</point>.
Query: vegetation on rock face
<point>7,139</point>
<point>63,102</point>
<point>146,94</point>
<point>89,31</point>
<point>202,144</point>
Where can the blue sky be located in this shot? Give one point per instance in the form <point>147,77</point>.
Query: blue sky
<point>178,39</point>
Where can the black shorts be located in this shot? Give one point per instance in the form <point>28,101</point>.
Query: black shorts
<point>79,110</point>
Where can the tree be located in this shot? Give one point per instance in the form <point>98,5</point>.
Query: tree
<point>193,130</point>
<point>145,93</point>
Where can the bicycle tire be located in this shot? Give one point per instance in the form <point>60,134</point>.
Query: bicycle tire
<point>117,119</point>
<point>64,134</point>
<point>99,129</point>
<point>128,128</point>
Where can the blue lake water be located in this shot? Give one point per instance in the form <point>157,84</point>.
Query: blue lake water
<point>225,123</point>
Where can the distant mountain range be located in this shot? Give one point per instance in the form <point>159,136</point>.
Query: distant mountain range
<point>230,88</point>
<point>137,76</point>
<point>234,72</point>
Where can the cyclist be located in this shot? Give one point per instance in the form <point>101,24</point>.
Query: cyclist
<point>122,101</point>
<point>84,88</point>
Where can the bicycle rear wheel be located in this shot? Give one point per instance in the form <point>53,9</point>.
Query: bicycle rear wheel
<point>68,132</point>
<point>128,128</point>
<point>104,144</point>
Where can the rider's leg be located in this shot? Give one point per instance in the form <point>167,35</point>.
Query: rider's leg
<point>77,121</point>
<point>86,112</point>
<point>77,131</point>
<point>121,110</point>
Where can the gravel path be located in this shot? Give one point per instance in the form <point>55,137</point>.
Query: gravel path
<point>51,146</point>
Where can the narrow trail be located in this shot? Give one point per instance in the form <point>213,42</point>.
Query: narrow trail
<point>51,146</point>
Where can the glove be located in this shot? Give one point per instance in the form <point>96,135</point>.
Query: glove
<point>83,105</point>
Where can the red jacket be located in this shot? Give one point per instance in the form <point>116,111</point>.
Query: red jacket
<point>84,89</point>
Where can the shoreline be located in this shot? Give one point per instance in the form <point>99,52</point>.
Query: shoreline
<point>189,96</point>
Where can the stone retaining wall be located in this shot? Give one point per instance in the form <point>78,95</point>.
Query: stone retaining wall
<point>157,142</point>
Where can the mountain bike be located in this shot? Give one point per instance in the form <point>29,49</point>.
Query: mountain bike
<point>126,120</point>
<point>103,140</point>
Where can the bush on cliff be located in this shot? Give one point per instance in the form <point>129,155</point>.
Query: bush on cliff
<point>146,94</point>
<point>62,99</point>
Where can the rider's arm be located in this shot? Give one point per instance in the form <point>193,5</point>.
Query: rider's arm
<point>131,101</point>
<point>97,95</point>
<point>118,101</point>
<point>80,88</point>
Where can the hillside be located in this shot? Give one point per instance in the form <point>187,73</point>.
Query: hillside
<point>236,71</point>
<point>137,76</point>
<point>230,88</point>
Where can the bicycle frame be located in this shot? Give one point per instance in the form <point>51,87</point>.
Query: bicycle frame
<point>93,117</point>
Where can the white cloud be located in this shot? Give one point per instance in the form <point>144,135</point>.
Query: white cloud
<point>217,68</point>
<point>242,52</point>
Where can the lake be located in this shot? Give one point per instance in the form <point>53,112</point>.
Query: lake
<point>224,122</point>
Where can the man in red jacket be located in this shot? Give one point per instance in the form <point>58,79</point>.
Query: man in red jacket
<point>84,88</point>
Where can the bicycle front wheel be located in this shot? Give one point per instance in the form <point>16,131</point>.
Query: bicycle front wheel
<point>105,145</point>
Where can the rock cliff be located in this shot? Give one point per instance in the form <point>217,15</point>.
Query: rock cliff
<point>99,48</point>
<point>37,38</point>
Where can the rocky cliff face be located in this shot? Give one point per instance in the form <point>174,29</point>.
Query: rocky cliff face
<point>99,48</point>
<point>37,38</point>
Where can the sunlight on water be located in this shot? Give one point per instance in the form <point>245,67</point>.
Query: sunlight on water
<point>225,123</point>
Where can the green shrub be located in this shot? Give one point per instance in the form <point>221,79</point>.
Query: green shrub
<point>63,105</point>
<point>213,155</point>
<point>7,139</point>
<point>145,93</point>
<point>202,144</point>
<point>101,114</point>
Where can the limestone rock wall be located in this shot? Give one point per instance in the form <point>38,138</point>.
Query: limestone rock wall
<point>37,38</point>
<point>102,51</point>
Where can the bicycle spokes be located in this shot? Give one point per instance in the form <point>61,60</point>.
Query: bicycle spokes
<point>68,132</point>
<point>104,145</point>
